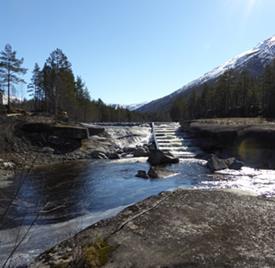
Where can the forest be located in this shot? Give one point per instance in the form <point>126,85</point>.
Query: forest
<point>54,89</point>
<point>234,94</point>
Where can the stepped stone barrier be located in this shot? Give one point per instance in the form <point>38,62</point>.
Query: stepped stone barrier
<point>169,138</point>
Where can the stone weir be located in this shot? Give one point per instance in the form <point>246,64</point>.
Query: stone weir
<point>169,138</point>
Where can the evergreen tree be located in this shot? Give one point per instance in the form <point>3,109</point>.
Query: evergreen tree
<point>269,90</point>
<point>233,94</point>
<point>59,82</point>
<point>82,97</point>
<point>11,69</point>
<point>35,88</point>
<point>54,89</point>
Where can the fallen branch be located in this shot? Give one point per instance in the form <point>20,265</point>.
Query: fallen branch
<point>156,204</point>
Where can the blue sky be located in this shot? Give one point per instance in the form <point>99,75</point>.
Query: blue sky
<point>130,51</point>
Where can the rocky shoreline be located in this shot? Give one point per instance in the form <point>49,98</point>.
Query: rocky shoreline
<point>184,228</point>
<point>27,142</point>
<point>251,140</point>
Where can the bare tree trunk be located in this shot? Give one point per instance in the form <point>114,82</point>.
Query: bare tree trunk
<point>55,100</point>
<point>9,103</point>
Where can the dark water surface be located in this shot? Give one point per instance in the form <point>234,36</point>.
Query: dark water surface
<point>63,199</point>
<point>63,192</point>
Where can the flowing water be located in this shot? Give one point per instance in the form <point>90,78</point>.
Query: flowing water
<point>63,199</point>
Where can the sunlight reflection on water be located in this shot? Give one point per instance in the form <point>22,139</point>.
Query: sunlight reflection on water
<point>90,191</point>
<point>257,181</point>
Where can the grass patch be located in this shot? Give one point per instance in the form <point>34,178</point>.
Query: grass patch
<point>97,254</point>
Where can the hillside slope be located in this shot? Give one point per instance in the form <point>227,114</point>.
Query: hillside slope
<point>253,61</point>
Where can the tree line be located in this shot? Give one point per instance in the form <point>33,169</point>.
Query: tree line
<point>54,89</point>
<point>234,94</point>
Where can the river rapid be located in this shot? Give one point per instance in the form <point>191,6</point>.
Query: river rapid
<point>56,202</point>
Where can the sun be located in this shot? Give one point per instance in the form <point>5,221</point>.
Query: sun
<point>251,3</point>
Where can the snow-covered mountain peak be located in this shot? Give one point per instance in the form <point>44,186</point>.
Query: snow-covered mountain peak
<point>253,61</point>
<point>268,42</point>
<point>267,46</point>
<point>130,107</point>
<point>265,51</point>
<point>135,106</point>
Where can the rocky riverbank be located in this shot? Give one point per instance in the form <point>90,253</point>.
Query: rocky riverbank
<point>185,228</point>
<point>251,140</point>
<point>30,141</point>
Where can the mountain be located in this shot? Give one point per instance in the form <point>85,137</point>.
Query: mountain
<point>4,99</point>
<point>130,107</point>
<point>253,61</point>
<point>136,106</point>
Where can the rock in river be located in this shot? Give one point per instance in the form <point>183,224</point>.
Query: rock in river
<point>152,173</point>
<point>142,174</point>
<point>158,157</point>
<point>215,163</point>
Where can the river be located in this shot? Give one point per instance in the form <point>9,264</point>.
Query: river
<point>60,200</point>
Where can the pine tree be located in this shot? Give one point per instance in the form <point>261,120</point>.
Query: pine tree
<point>10,69</point>
<point>35,88</point>
<point>54,89</point>
<point>82,97</point>
<point>59,83</point>
<point>269,90</point>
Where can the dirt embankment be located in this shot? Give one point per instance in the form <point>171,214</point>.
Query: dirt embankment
<point>185,228</point>
<point>30,141</point>
<point>252,140</point>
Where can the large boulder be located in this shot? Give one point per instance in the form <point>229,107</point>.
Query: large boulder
<point>142,174</point>
<point>158,157</point>
<point>215,163</point>
<point>237,165</point>
<point>152,173</point>
<point>185,228</point>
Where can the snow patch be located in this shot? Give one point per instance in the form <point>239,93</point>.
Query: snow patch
<point>265,51</point>
<point>133,107</point>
